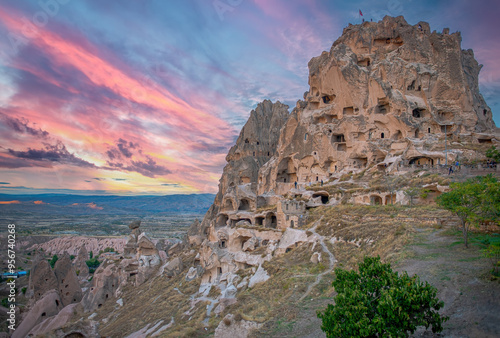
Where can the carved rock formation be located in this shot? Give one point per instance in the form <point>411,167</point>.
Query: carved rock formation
<point>80,264</point>
<point>42,279</point>
<point>69,286</point>
<point>387,95</point>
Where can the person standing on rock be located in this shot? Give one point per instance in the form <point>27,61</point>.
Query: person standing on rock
<point>295,184</point>
<point>450,171</point>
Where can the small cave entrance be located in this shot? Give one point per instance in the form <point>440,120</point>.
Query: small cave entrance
<point>222,220</point>
<point>244,205</point>
<point>390,199</point>
<point>271,221</point>
<point>327,99</point>
<point>421,160</point>
<point>286,171</point>
<point>227,205</point>
<point>411,86</point>
<point>325,198</point>
<point>485,140</point>
<point>74,335</point>
<point>398,135</point>
<point>419,113</point>
<point>359,162</point>
<point>259,221</point>
<point>364,62</point>
<point>382,108</point>
<point>417,133</point>
<point>338,138</point>
<point>223,244</point>
<point>245,179</point>
<point>348,111</point>
<point>292,224</point>
<point>375,200</point>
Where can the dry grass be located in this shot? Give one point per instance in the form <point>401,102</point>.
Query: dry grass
<point>388,228</point>
<point>158,299</point>
<point>290,276</point>
<point>266,208</point>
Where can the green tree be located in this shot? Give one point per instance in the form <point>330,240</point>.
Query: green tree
<point>53,261</point>
<point>411,193</point>
<point>473,201</point>
<point>93,264</point>
<point>493,153</point>
<point>379,302</point>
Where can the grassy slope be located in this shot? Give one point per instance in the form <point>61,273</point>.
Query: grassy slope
<point>399,234</point>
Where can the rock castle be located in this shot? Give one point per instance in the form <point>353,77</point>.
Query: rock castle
<point>388,96</point>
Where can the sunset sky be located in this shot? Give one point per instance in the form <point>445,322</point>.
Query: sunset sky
<point>147,97</point>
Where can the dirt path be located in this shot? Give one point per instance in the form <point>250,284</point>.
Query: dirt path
<point>331,258</point>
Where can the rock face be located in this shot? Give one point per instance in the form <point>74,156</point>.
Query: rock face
<point>69,286</point>
<point>386,96</point>
<point>255,146</point>
<point>42,279</point>
<point>106,281</point>
<point>80,264</point>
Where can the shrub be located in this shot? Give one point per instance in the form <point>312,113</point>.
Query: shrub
<point>378,302</point>
<point>492,252</point>
<point>93,264</point>
<point>23,290</point>
<point>53,261</point>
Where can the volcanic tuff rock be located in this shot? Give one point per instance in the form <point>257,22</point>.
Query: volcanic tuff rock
<point>73,244</point>
<point>80,264</point>
<point>69,286</point>
<point>385,98</point>
<point>42,279</point>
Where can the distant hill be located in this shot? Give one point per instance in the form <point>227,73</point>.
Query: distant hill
<point>82,205</point>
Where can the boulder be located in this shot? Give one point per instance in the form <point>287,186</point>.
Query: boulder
<point>260,276</point>
<point>316,258</point>
<point>173,267</point>
<point>134,224</point>
<point>250,244</point>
